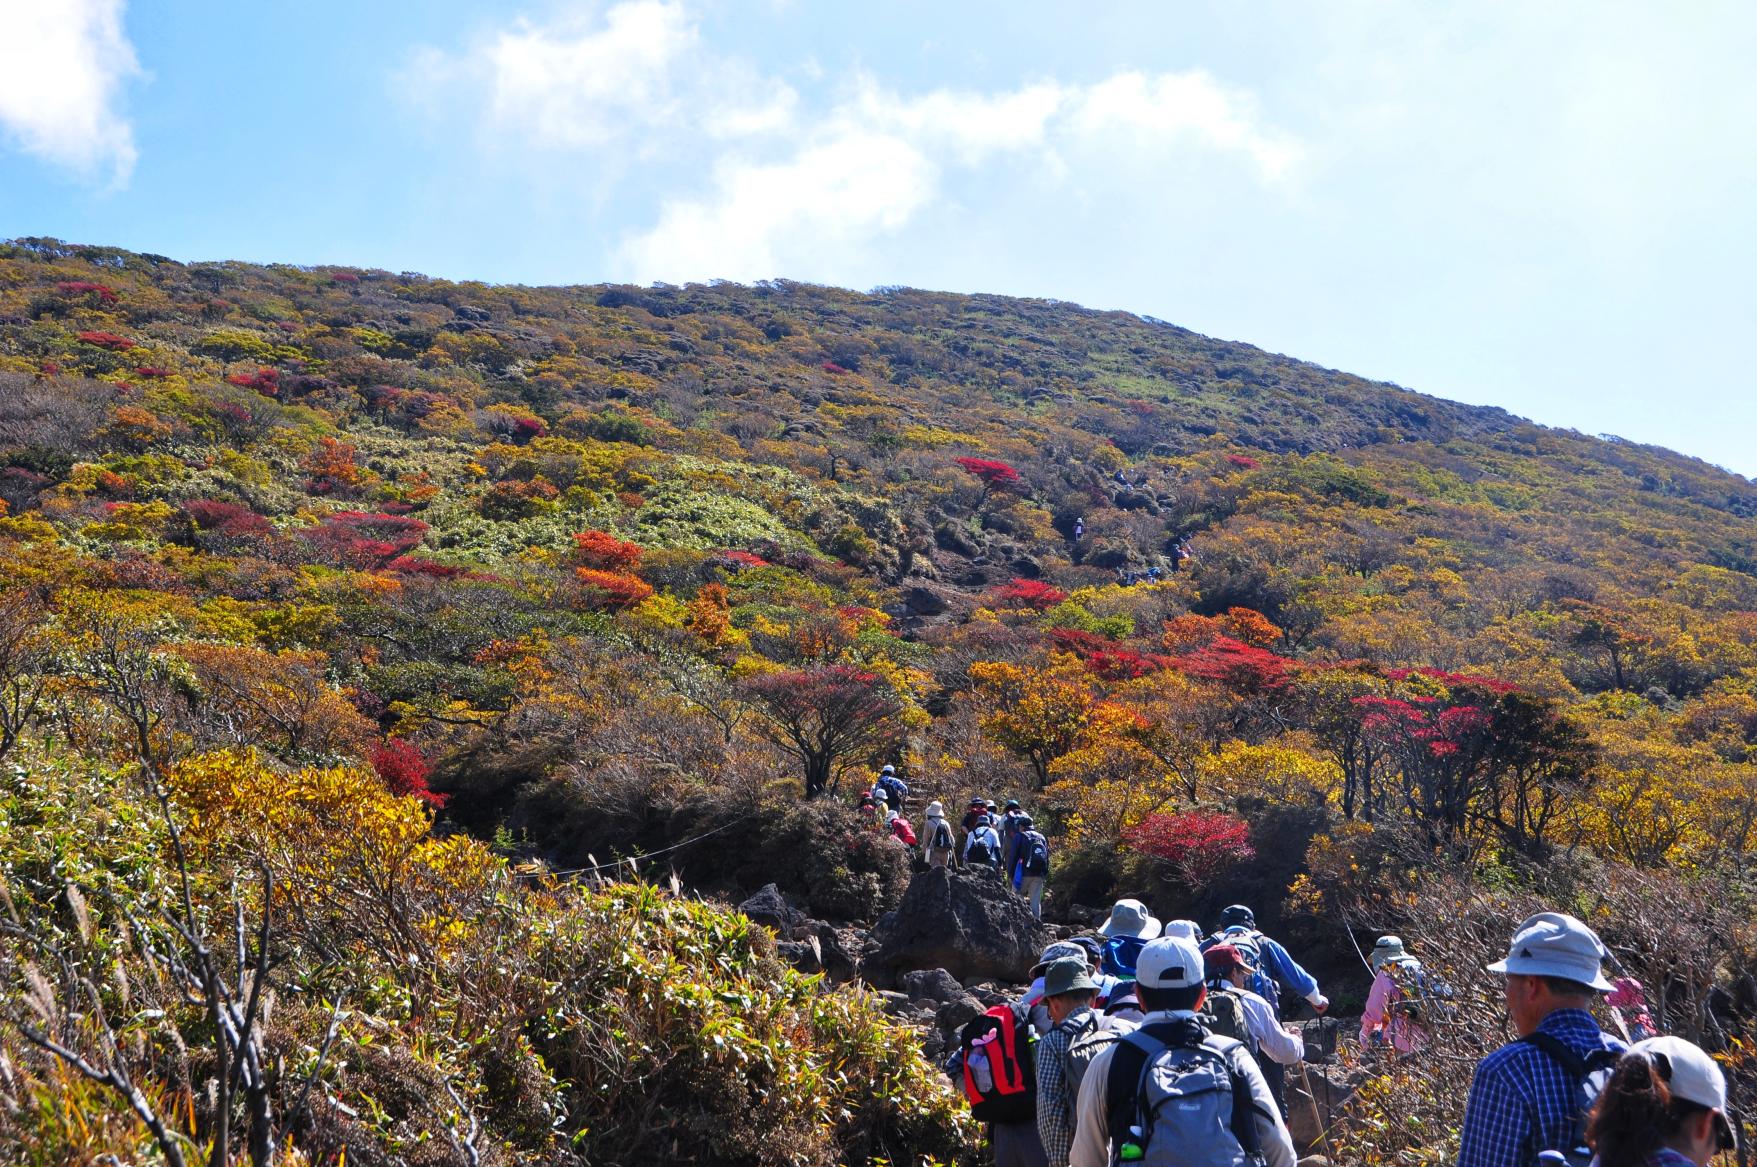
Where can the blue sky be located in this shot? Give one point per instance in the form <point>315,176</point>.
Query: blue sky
<point>1547,207</point>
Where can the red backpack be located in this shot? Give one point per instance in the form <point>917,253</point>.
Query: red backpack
<point>900,827</point>
<point>1000,1079</point>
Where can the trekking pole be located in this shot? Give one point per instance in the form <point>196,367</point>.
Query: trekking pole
<point>1323,1126</point>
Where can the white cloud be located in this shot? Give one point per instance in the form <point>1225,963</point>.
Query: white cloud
<point>62,66</point>
<point>788,183</point>
<point>877,161</point>
<point>577,86</point>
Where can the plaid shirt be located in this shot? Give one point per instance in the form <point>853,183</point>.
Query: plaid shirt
<point>1055,1094</point>
<point>1521,1101</point>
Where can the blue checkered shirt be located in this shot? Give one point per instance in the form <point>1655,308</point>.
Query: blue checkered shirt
<point>1522,1102</point>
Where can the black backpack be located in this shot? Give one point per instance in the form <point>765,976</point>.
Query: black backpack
<point>1590,1074</point>
<point>982,852</point>
<point>1036,854</point>
<point>942,836</point>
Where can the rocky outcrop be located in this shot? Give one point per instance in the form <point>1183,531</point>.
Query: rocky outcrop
<point>966,923</point>
<point>808,945</point>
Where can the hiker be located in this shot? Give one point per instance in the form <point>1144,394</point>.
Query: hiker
<point>1028,854</point>
<point>978,809</point>
<point>1238,927</point>
<point>1253,1020</point>
<point>891,788</point>
<point>995,1065</point>
<point>1079,528</point>
<point>1391,1012</point>
<point>940,845</point>
<point>1033,999</point>
<point>1223,1112</point>
<point>982,848</point>
<point>1665,1105</point>
<point>1076,1036</point>
<point>900,828</point>
<point>868,811</point>
<point>1094,951</point>
<point>1122,937</point>
<point>1531,1095</point>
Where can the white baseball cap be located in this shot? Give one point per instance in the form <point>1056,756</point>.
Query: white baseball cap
<point>1170,962</point>
<point>1555,944</point>
<point>1689,1073</point>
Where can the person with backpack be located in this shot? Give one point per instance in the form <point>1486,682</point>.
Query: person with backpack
<point>1268,959</point>
<point>939,845</point>
<point>1393,1010</point>
<point>900,828</point>
<point>978,809</point>
<point>891,788</point>
<point>982,848</point>
<point>1077,1034</point>
<point>1232,1010</point>
<point>1665,1105</point>
<point>1533,1094</point>
<point>1029,855</point>
<point>1170,1092</point>
<point>995,1064</point>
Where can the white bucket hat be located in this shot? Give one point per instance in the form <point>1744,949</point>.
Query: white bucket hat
<point>1131,918</point>
<point>1555,944</point>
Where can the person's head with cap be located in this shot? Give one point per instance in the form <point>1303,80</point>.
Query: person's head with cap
<point>1664,1092</point>
<point>1092,947</point>
<point>1553,963</point>
<point>1131,918</point>
<point>1012,804</point>
<point>1067,985</point>
<point>1237,916</point>
<point>1169,974</point>
<point>1057,950</point>
<point>992,806</point>
<point>1225,964</point>
<point>1186,929</point>
<point>887,768</point>
<point>1388,950</point>
<point>1024,821</point>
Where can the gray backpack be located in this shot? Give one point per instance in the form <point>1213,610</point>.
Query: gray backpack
<point>1093,1033</point>
<point>1174,1100</point>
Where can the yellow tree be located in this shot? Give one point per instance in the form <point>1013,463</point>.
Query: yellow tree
<point>1038,712</point>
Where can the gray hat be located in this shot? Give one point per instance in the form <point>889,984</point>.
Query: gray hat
<point>1555,944</point>
<point>1068,975</point>
<point>1388,950</point>
<point>1060,950</point>
<point>1131,918</point>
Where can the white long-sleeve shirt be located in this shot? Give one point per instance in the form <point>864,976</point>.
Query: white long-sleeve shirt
<point>1283,1046</point>
<point>1092,1131</point>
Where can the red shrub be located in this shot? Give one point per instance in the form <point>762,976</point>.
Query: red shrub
<point>1197,845</point>
<point>1027,593</point>
<point>993,475</point>
<point>343,277</point>
<point>527,428</point>
<point>404,771</point>
<point>109,340</point>
<point>610,591</point>
<point>265,381</point>
<point>1243,461</point>
<point>833,367</point>
<point>602,551</point>
<point>151,371</point>
<point>737,560</point>
<point>1243,668</point>
<point>102,292</point>
<point>364,541</point>
<point>432,568</point>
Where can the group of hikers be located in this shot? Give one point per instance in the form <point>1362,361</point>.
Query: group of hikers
<point>1150,1043</point>
<point>1000,840</point>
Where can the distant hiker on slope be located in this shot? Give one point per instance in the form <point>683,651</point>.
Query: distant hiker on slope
<point>1028,853</point>
<point>982,849</point>
<point>1396,1002</point>
<point>938,844</point>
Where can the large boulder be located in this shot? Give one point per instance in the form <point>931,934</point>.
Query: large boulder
<point>931,984</point>
<point>771,909</point>
<point>967,923</point>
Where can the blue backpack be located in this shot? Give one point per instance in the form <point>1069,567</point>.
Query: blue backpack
<point>895,787</point>
<point>1120,954</point>
<point>1036,854</point>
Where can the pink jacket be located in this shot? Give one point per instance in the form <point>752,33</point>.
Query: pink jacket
<point>1403,1034</point>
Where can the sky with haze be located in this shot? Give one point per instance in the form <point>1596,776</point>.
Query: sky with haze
<point>1550,207</point>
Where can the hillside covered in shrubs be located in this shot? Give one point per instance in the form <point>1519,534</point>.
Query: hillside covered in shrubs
<point>521,584</point>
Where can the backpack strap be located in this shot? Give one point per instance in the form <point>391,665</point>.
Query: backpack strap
<point>1559,1052</point>
<point>1245,1110</point>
